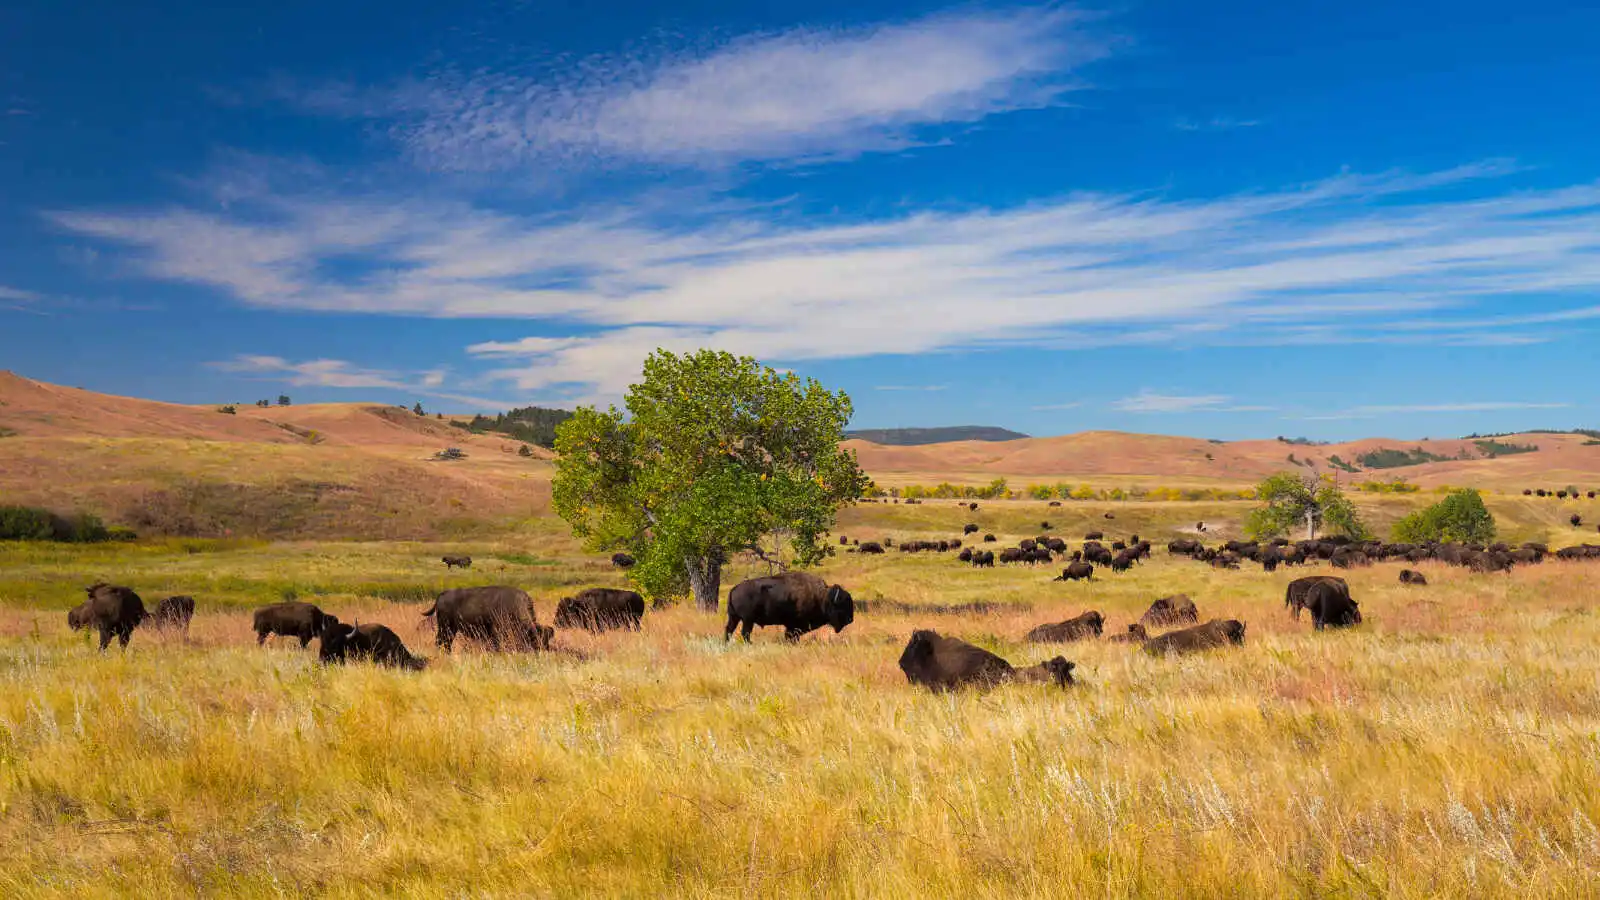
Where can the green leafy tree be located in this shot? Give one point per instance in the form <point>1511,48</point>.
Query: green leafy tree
<point>418,409</point>
<point>1289,502</point>
<point>996,490</point>
<point>1042,491</point>
<point>1460,517</point>
<point>717,455</point>
<point>283,400</point>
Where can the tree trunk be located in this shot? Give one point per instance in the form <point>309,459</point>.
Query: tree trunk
<point>705,580</point>
<point>1311,525</point>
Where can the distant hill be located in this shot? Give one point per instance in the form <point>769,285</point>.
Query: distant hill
<point>916,437</point>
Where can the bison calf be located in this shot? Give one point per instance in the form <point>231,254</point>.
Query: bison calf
<point>113,610</point>
<point>1134,635</point>
<point>1411,576</point>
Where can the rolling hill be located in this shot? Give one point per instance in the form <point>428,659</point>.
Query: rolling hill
<point>367,470</point>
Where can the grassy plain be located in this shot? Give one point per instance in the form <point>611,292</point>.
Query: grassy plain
<point>1446,748</point>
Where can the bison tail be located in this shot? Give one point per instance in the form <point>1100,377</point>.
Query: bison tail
<point>431,610</point>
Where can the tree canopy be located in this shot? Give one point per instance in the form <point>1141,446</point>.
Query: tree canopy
<point>716,455</point>
<point>1289,501</point>
<point>1460,517</point>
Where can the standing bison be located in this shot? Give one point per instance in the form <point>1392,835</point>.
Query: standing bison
<point>371,642</point>
<point>1085,627</point>
<point>174,613</point>
<point>601,609</point>
<point>113,610</point>
<point>941,664</point>
<point>1078,571</point>
<point>1215,633</point>
<point>291,619</point>
<point>799,601</point>
<point>497,615</point>
<point>624,561</point>
<point>453,562</point>
<point>1298,596</point>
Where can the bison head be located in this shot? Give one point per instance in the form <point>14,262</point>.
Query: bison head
<point>1234,629</point>
<point>841,608</point>
<point>1060,670</point>
<point>565,617</point>
<point>335,637</point>
<point>918,653</point>
<point>1096,621</point>
<point>79,617</point>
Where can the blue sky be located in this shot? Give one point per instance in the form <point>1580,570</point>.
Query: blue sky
<point>1223,219</point>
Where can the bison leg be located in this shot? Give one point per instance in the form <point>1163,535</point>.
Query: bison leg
<point>744,632</point>
<point>124,635</point>
<point>792,635</point>
<point>261,639</point>
<point>445,638</point>
<point>733,622</point>
<point>305,639</point>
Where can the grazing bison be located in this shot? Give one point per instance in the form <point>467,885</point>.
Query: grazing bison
<point>1084,627</point>
<point>1330,605</point>
<point>113,610</point>
<point>1411,576</point>
<point>371,642</point>
<point>1134,635</point>
<point>1215,633</point>
<point>1299,591</point>
<point>970,528</point>
<point>799,601</point>
<point>291,619</point>
<point>989,539</point>
<point>941,664</point>
<point>174,612</point>
<point>600,609</point>
<point>965,555</point>
<point>972,506</point>
<point>1094,536</point>
<point>624,561</point>
<point>871,547</point>
<point>1078,571</point>
<point>1577,521</point>
<point>452,562</point>
<point>1171,611</point>
<point>984,560</point>
<point>496,614</point>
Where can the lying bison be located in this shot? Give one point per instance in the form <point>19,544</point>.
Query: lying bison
<point>291,619</point>
<point>601,609</point>
<point>1411,576</point>
<point>452,562</point>
<point>940,663</point>
<point>1085,627</point>
<point>1134,635</point>
<point>1215,633</point>
<point>799,601</point>
<point>498,615</point>
<point>1078,571</point>
<point>871,547</point>
<point>1298,595</point>
<point>1172,610</point>
<point>970,528</point>
<point>376,643</point>
<point>174,613</point>
<point>112,610</point>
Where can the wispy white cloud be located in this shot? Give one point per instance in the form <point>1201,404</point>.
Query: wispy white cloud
<point>1055,406</point>
<point>911,387</point>
<point>1147,401</point>
<point>1336,261</point>
<point>338,373</point>
<point>776,96</point>
<point>1370,412</point>
<point>1215,123</point>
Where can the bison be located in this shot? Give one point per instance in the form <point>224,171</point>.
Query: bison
<point>1134,635</point>
<point>371,642</point>
<point>624,561</point>
<point>1078,571</point>
<point>452,562</point>
<point>495,614</point>
<point>1215,633</point>
<point>1084,627</point>
<point>871,547</point>
<point>1577,520</point>
<point>1171,611</point>
<point>799,601</point>
<point>1299,591</point>
<point>1330,605</point>
<point>113,610</point>
<point>600,609</point>
<point>291,619</point>
<point>1411,576</point>
<point>941,664</point>
<point>984,560</point>
<point>970,528</point>
<point>174,612</point>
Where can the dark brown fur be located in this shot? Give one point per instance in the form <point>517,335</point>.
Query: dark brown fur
<point>1174,610</point>
<point>1085,627</point>
<point>942,664</point>
<point>1213,634</point>
<point>113,610</point>
<point>799,601</point>
<point>601,609</point>
<point>496,614</point>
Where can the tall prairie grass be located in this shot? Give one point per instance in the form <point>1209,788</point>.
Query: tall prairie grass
<point>1446,748</point>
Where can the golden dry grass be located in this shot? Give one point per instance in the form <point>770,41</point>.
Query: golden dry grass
<point>1446,748</point>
